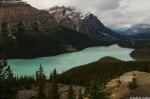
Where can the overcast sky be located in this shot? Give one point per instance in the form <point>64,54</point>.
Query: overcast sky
<point>112,13</point>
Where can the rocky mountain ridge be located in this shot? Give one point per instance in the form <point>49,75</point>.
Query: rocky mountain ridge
<point>89,24</point>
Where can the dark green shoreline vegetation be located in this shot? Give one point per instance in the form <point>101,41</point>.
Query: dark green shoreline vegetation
<point>100,72</point>
<point>141,48</point>
<point>32,44</point>
<point>26,44</point>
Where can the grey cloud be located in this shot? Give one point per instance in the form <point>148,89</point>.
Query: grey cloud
<point>147,20</point>
<point>119,19</point>
<point>116,13</point>
<point>81,4</point>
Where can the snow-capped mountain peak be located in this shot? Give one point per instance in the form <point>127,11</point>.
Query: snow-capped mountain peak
<point>71,12</point>
<point>67,10</point>
<point>86,23</point>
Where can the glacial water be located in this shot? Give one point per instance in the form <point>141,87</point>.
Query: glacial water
<point>66,61</point>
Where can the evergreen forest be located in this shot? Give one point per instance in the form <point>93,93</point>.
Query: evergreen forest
<point>92,76</point>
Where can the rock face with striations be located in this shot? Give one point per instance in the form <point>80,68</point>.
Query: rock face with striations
<point>14,15</point>
<point>88,23</point>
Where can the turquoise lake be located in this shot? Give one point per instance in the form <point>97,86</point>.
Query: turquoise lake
<point>66,61</point>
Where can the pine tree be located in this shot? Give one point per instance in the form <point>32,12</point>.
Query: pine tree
<point>3,89</point>
<point>80,94</point>
<point>40,82</point>
<point>96,90</point>
<point>133,84</point>
<point>86,92</point>
<point>10,84</point>
<point>70,94</point>
<point>3,64</point>
<point>53,86</point>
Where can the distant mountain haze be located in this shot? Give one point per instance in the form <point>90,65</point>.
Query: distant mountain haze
<point>136,29</point>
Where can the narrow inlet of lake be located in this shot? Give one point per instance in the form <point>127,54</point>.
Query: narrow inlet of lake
<point>66,61</point>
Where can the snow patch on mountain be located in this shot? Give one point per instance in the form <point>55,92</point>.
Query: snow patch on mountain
<point>85,16</point>
<point>70,17</point>
<point>85,23</point>
<point>69,11</point>
<point>105,34</point>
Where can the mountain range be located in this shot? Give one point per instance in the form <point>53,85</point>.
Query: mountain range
<point>57,30</point>
<point>136,29</point>
<point>88,23</point>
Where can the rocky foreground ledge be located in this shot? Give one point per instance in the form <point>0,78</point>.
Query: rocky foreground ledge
<point>63,90</point>
<point>121,91</point>
<point>117,90</point>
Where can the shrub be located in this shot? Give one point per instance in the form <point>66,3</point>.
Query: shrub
<point>133,84</point>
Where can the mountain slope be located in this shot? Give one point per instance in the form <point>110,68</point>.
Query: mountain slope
<point>32,44</point>
<point>28,33</point>
<point>103,70</point>
<point>15,16</point>
<point>144,36</point>
<point>89,24</point>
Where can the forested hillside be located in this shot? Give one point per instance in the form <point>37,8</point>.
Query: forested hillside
<point>142,48</point>
<point>31,44</point>
<point>103,70</point>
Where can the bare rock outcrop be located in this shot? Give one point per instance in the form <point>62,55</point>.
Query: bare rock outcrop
<point>63,90</point>
<point>121,90</point>
<point>26,16</point>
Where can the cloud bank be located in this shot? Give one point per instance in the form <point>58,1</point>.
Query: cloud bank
<point>113,13</point>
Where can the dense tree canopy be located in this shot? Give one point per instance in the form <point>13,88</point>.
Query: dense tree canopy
<point>104,70</point>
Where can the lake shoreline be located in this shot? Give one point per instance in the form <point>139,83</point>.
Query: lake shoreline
<point>72,51</point>
<point>67,61</point>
